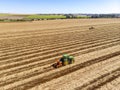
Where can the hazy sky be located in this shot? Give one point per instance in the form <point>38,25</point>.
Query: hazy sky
<point>59,6</point>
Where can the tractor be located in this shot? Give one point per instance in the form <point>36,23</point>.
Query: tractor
<point>91,28</point>
<point>63,61</point>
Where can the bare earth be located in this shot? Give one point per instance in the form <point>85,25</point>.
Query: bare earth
<point>28,49</point>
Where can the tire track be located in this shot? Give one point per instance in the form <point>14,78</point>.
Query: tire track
<point>56,40</point>
<point>48,48</point>
<point>26,33</point>
<point>15,79</point>
<point>9,51</point>
<point>100,81</point>
<point>16,83</point>
<point>87,74</point>
<point>44,79</point>
<point>43,51</point>
<point>73,27</point>
<point>72,33</point>
<point>51,55</point>
<point>24,68</point>
<point>40,34</point>
<point>67,38</point>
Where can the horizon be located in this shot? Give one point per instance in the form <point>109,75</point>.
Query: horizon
<point>54,13</point>
<point>60,7</point>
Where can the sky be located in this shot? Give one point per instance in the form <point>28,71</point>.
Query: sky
<point>59,6</point>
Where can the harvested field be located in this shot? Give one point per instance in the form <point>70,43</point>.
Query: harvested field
<point>28,49</point>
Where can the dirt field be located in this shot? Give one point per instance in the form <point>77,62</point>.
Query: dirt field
<point>28,49</point>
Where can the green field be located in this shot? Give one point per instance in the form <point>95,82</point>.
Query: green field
<point>4,14</point>
<point>30,17</point>
<point>46,17</point>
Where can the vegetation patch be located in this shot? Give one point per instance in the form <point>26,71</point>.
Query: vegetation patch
<point>4,14</point>
<point>46,17</point>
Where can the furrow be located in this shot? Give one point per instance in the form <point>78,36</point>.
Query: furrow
<point>63,72</point>
<point>50,60</point>
<point>8,55</point>
<point>83,76</point>
<point>3,35</point>
<point>44,42</point>
<point>65,30</point>
<point>14,47</point>
<point>100,81</point>
<point>47,51</point>
<point>22,77</point>
<point>51,55</point>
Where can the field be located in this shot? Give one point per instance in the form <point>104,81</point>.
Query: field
<point>12,16</point>
<point>4,15</point>
<point>36,16</point>
<point>28,49</point>
<point>46,17</point>
<point>30,16</point>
